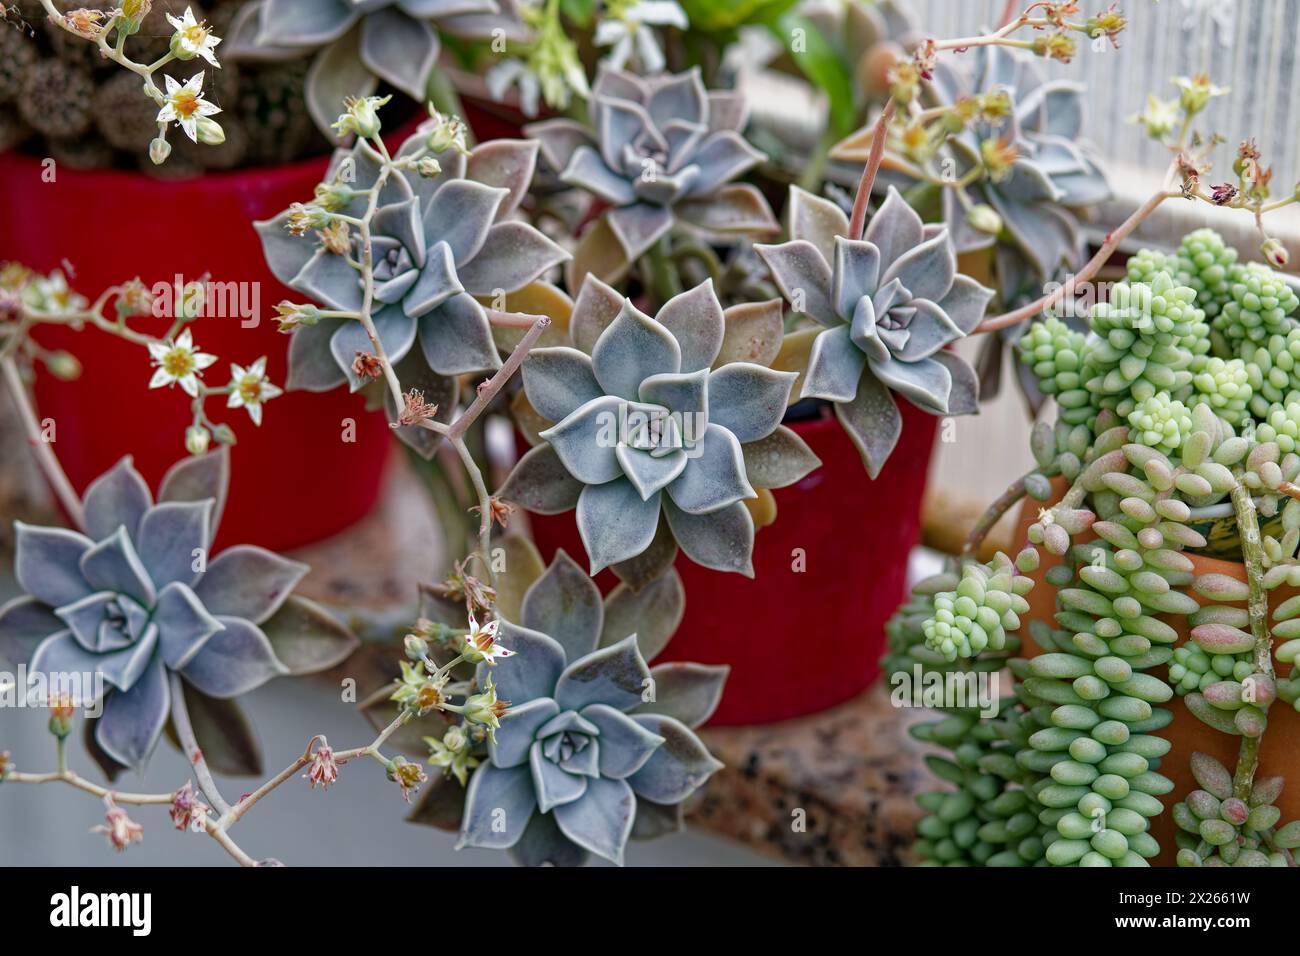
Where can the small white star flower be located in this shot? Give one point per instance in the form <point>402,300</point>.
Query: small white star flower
<point>193,38</point>
<point>631,33</point>
<point>249,388</point>
<point>481,643</point>
<point>184,105</point>
<point>179,363</point>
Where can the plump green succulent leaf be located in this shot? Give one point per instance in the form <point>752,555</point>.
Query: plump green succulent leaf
<point>779,459</point>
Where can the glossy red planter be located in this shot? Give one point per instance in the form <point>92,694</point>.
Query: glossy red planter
<point>800,641</point>
<point>295,479</point>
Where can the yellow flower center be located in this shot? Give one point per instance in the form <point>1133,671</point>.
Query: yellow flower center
<point>250,389</point>
<point>196,35</point>
<point>185,103</point>
<point>178,363</point>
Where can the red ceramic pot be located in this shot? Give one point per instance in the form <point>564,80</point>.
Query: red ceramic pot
<point>295,479</point>
<point>802,636</point>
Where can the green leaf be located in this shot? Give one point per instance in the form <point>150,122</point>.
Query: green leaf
<point>823,67</point>
<point>710,15</point>
<point>307,638</point>
<point>580,12</point>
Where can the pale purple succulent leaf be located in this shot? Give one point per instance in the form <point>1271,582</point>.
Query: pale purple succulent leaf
<point>856,274</point>
<point>113,565</point>
<point>553,786</point>
<point>728,110</point>
<point>818,220</point>
<point>1043,235</point>
<point>497,796</point>
<point>540,483</point>
<point>440,9</point>
<point>196,478</point>
<point>249,582</point>
<point>437,283</point>
<point>587,170</point>
<point>596,306</point>
<point>601,821</point>
<point>714,477</point>
<point>307,638</point>
<point>625,745</point>
<point>872,421</point>
<point>330,280</point>
<point>513,255</point>
<point>803,276</point>
<point>621,122</point>
<point>234,661</point>
<point>835,367</point>
<point>505,163</point>
<point>649,473</point>
<point>173,536</point>
<point>396,333</point>
<point>117,497</point>
<point>543,844</point>
<point>311,363</point>
<point>679,96</point>
<point>46,563</point>
<point>133,720</point>
<point>86,618</point>
<point>930,330</point>
<point>631,349</point>
<point>894,229</point>
<point>619,84</point>
<point>399,50</point>
<point>926,270</point>
<point>926,382</point>
<point>965,303</point>
<point>565,604</point>
<point>335,74</point>
<point>722,540</point>
<point>652,612</point>
<point>734,209</point>
<point>615,522</point>
<point>778,460</point>
<point>514,738</point>
<point>748,400</point>
<point>531,672</point>
<point>679,767</point>
<point>285,254</point>
<point>304,23</point>
<point>965,394</point>
<point>24,622</point>
<point>460,214</point>
<point>585,440</point>
<point>559,139</point>
<point>558,381</point>
<point>61,653</point>
<point>685,691</point>
<point>613,675</point>
<point>694,318</point>
<point>456,337</point>
<point>686,393</point>
<point>721,158</point>
<point>184,625</point>
<point>639,227</point>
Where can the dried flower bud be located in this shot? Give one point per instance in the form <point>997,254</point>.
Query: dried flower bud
<point>324,769</point>
<point>118,827</point>
<point>500,511</point>
<point>998,156</point>
<point>416,409</point>
<point>1274,252</point>
<point>303,217</point>
<point>1055,46</point>
<point>335,238</point>
<point>83,22</point>
<point>428,167</point>
<point>292,316</point>
<point>406,775</point>
<point>188,812</point>
<point>367,366</point>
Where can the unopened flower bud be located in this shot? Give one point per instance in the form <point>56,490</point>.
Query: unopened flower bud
<point>362,116</point>
<point>62,711</point>
<point>291,316</point>
<point>224,434</point>
<point>159,150</point>
<point>428,167</point>
<point>984,218</point>
<point>196,439</point>
<point>209,131</point>
<point>333,196</point>
<point>1274,252</point>
<point>63,366</point>
<point>417,648</point>
<point>6,765</point>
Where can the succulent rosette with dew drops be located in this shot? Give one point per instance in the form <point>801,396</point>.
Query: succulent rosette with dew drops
<point>596,746</point>
<point>661,432</point>
<point>660,151</point>
<point>137,600</point>
<point>441,244</point>
<point>888,303</point>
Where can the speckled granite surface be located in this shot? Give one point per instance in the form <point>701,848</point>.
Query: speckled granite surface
<point>834,788</point>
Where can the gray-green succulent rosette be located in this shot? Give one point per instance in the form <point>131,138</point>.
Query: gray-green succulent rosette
<point>138,601</point>
<point>356,43</point>
<point>596,746</point>
<point>660,151</point>
<point>1053,172</point>
<point>663,428</point>
<point>888,303</point>
<point>441,244</point>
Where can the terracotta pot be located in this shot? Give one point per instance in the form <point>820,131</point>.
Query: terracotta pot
<point>295,479</point>
<point>801,641</point>
<point>1280,748</point>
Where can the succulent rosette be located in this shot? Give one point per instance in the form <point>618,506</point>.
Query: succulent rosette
<point>889,303</point>
<point>136,600</point>
<point>659,151</point>
<point>661,432</point>
<point>596,746</point>
<point>359,43</point>
<point>440,244</point>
